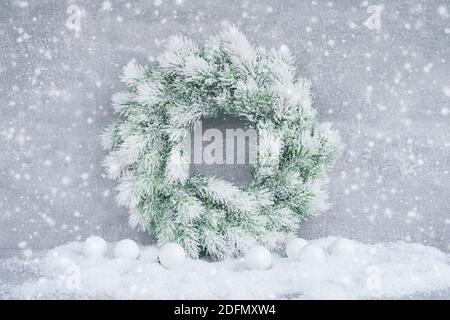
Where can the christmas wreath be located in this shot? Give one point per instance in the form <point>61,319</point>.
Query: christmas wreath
<point>208,216</point>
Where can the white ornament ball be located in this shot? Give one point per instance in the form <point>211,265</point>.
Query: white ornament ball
<point>94,247</point>
<point>294,246</point>
<point>171,255</point>
<point>126,249</point>
<point>149,254</point>
<point>311,254</point>
<point>258,258</point>
<point>342,247</point>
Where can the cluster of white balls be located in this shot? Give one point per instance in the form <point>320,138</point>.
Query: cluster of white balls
<point>300,249</point>
<point>170,255</point>
<point>259,258</point>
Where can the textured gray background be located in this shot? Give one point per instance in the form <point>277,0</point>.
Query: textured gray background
<point>388,91</point>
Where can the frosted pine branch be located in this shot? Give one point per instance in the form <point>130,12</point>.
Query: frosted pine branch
<point>177,169</point>
<point>238,47</point>
<point>136,220</point>
<point>132,74</point>
<point>127,154</point>
<point>110,137</point>
<point>195,67</point>
<point>284,219</point>
<point>177,49</point>
<point>212,242</point>
<point>188,206</point>
<point>238,241</point>
<point>269,149</point>
<point>320,203</point>
<point>122,102</point>
<point>226,194</point>
<point>332,136</point>
<point>148,93</point>
<point>275,240</point>
<point>127,195</point>
<point>183,116</point>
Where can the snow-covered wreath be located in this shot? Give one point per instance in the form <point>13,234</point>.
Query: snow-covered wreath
<point>208,216</point>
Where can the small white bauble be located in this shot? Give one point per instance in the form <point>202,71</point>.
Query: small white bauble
<point>171,255</point>
<point>258,258</point>
<point>342,247</point>
<point>94,247</point>
<point>126,249</point>
<point>149,254</point>
<point>294,246</point>
<point>311,254</point>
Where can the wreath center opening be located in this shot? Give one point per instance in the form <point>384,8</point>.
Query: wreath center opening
<point>224,147</point>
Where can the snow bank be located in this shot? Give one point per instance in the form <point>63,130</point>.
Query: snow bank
<point>375,271</point>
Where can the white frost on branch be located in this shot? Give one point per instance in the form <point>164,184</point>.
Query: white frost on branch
<point>227,193</point>
<point>310,143</point>
<point>108,138</point>
<point>320,201</point>
<point>283,72</point>
<point>137,220</point>
<point>275,240</point>
<point>129,152</point>
<point>284,54</point>
<point>190,208</point>
<point>177,49</point>
<point>248,86</point>
<point>332,135</point>
<point>120,100</point>
<point>269,149</point>
<point>148,93</point>
<point>132,74</point>
<point>180,117</point>
<point>287,218</point>
<point>126,195</point>
<point>177,168</point>
<point>303,88</point>
<point>238,47</point>
<point>195,67</point>
<point>237,242</point>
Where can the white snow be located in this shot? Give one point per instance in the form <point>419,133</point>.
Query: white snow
<point>394,270</point>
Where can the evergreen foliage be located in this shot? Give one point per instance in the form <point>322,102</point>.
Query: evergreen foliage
<point>206,215</point>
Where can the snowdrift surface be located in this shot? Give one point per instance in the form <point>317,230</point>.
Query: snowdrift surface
<point>394,270</point>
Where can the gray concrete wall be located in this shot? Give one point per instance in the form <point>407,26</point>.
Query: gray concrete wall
<point>387,90</point>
